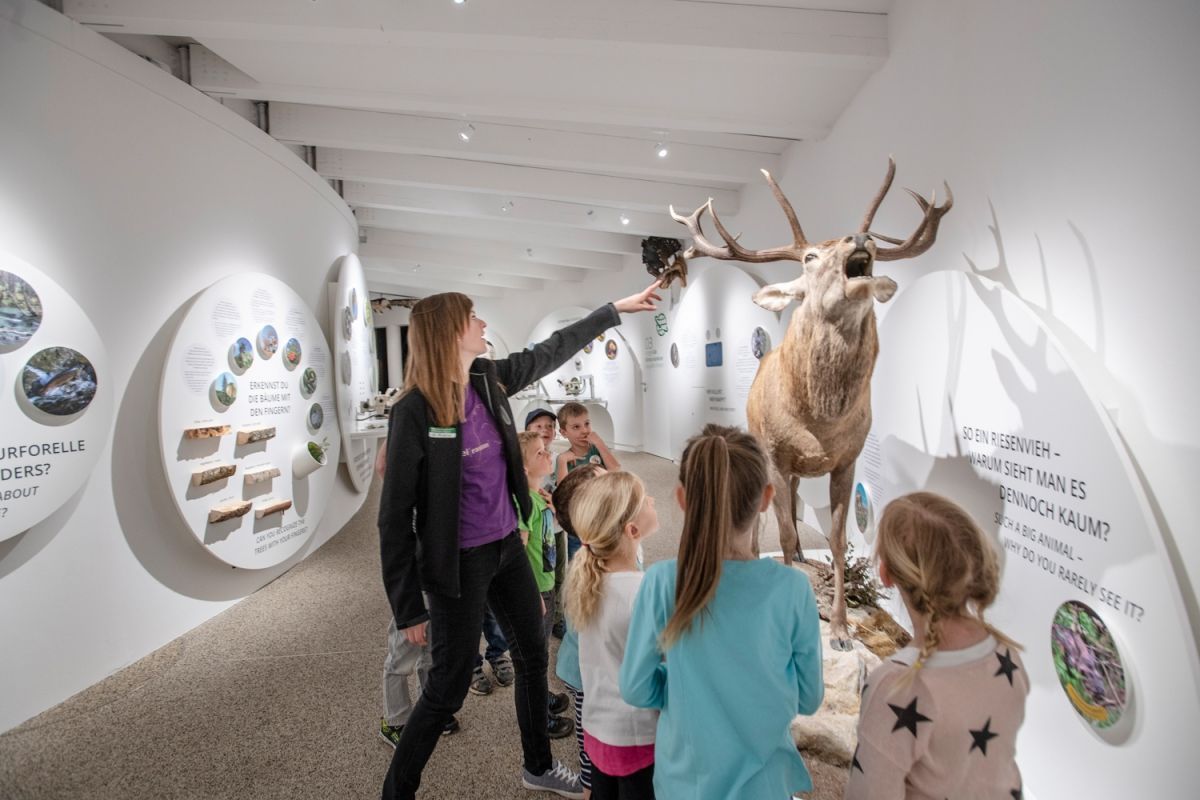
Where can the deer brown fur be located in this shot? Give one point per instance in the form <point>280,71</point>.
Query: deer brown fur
<point>810,403</point>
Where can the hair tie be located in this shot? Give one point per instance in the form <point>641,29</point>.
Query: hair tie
<point>586,546</point>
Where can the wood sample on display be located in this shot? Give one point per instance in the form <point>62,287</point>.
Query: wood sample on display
<point>256,433</point>
<point>206,432</point>
<point>271,507</point>
<point>212,474</point>
<point>261,474</point>
<point>229,510</point>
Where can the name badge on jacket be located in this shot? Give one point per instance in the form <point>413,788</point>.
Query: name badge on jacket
<point>442,433</point>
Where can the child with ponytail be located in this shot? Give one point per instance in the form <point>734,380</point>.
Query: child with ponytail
<point>725,644</point>
<point>940,718</point>
<point>611,513</point>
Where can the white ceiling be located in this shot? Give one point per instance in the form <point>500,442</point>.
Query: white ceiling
<point>566,99</point>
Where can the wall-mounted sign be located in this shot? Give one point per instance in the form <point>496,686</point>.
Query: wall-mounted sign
<point>248,452</point>
<point>56,403</point>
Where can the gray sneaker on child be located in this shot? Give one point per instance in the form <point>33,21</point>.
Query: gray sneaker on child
<point>502,670</point>
<point>557,779</point>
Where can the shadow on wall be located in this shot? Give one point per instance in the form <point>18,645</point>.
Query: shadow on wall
<point>17,550</point>
<point>1093,372</point>
<point>149,519</point>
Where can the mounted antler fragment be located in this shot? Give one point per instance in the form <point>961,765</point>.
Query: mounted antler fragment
<point>810,403</point>
<point>664,259</point>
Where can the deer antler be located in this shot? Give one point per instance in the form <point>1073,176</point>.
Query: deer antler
<point>923,237</point>
<point>732,251</point>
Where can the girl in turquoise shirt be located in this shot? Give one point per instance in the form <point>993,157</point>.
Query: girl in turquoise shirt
<point>726,645</point>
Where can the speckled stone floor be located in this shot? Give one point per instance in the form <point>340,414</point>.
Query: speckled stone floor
<point>280,697</point>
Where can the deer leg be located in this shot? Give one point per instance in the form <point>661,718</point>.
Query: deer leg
<point>783,509</point>
<point>840,482</point>
<point>796,506</point>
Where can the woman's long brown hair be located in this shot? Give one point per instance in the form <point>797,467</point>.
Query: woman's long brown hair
<point>434,367</point>
<point>724,473</point>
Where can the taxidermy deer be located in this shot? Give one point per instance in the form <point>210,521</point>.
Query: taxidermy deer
<point>810,404</point>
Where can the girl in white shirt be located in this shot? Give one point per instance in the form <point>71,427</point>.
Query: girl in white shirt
<point>611,514</point>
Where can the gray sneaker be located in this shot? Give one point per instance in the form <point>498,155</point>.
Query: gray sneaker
<point>558,779</point>
<point>480,683</point>
<point>502,670</point>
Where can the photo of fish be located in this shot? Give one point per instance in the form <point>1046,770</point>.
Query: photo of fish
<point>308,382</point>
<point>291,353</point>
<point>225,389</point>
<point>268,341</point>
<point>316,416</point>
<point>241,354</point>
<point>59,381</point>
<point>20,311</point>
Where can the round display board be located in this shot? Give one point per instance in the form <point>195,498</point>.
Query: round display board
<point>357,373</point>
<point>975,399</point>
<point>57,401</point>
<point>248,434</point>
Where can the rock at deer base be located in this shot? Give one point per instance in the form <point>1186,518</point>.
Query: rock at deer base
<point>810,403</point>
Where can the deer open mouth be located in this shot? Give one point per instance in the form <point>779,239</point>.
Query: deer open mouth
<point>858,264</point>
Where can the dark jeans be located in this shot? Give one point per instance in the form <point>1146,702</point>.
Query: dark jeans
<point>496,575</point>
<point>638,786</point>
<point>496,643</point>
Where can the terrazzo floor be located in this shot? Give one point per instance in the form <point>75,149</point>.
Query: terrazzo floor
<point>280,697</point>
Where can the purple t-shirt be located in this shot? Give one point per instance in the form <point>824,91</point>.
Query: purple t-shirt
<point>485,506</point>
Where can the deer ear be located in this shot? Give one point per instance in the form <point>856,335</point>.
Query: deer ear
<point>883,288</point>
<point>776,296</point>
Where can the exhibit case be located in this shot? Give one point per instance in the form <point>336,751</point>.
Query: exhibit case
<point>56,407</point>
<point>247,426</point>
<point>357,370</point>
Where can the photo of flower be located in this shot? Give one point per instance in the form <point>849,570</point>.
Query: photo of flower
<point>268,341</point>
<point>610,349</point>
<point>292,353</point>
<point>1088,664</point>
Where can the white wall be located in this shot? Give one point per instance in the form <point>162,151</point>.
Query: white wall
<point>134,192</point>
<point>1067,131</point>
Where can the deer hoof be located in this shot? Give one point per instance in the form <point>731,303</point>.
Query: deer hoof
<point>841,645</point>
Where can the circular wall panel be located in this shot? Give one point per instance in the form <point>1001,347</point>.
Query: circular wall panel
<point>56,403</point>
<point>250,474</point>
<point>356,366</point>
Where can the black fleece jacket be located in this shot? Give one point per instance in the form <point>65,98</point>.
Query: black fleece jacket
<point>418,513</point>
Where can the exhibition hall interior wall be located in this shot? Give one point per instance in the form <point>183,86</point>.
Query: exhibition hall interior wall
<point>1076,207</point>
<point>134,193</point>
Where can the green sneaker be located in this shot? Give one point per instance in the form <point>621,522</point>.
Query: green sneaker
<point>388,733</point>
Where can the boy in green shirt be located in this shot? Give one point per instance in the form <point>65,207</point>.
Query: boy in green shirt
<point>537,533</point>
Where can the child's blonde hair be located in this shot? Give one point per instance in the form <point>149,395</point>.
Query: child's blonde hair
<point>527,438</point>
<point>600,510</point>
<point>941,561</point>
<point>723,472</point>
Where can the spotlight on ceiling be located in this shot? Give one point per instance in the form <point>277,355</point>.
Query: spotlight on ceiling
<point>460,2</point>
<point>624,219</point>
<point>466,132</point>
<point>661,150</point>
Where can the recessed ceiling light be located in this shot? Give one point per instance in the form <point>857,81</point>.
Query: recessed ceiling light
<point>460,2</point>
<point>624,219</point>
<point>466,132</point>
<point>504,209</point>
<point>661,150</point>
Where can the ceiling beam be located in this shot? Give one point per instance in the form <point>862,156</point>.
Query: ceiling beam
<point>801,101</point>
<point>423,285</point>
<point>554,258</point>
<point>517,182</point>
<point>461,272</point>
<point>405,258</point>
<point>503,209</point>
<point>525,234</point>
<point>522,23</point>
<point>524,145</point>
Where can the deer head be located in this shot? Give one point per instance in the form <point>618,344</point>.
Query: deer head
<point>835,271</point>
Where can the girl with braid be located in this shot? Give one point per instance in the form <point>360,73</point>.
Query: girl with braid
<point>727,645</point>
<point>940,719</point>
